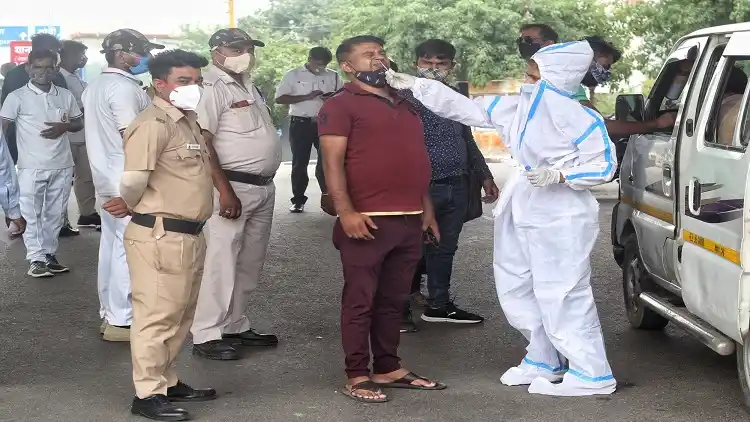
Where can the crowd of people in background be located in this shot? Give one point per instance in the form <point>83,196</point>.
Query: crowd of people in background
<point>197,152</point>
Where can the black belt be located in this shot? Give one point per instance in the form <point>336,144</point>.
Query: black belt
<point>301,119</point>
<point>170,224</point>
<point>247,178</point>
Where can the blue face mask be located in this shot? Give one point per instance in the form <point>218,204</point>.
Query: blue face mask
<point>141,67</point>
<point>599,72</point>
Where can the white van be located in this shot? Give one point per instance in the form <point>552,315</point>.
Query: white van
<point>679,227</point>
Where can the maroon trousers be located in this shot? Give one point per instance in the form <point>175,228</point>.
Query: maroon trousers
<point>377,279</point>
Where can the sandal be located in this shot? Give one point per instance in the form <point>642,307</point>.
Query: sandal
<point>368,386</point>
<point>407,380</point>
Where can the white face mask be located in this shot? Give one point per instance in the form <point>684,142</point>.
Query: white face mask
<point>239,64</point>
<point>186,97</point>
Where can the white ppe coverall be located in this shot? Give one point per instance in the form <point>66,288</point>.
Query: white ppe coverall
<point>544,235</point>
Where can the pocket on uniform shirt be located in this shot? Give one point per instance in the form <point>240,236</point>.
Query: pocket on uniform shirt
<point>246,120</point>
<point>191,159</point>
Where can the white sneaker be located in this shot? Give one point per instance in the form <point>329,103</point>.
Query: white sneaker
<point>572,386</point>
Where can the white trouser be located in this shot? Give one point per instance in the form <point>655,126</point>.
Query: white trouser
<point>43,197</point>
<point>234,261</point>
<point>113,278</point>
<point>543,240</point>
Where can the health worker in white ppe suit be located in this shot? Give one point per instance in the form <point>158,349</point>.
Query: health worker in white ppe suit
<point>546,221</point>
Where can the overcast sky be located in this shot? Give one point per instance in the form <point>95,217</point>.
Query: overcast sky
<point>147,16</point>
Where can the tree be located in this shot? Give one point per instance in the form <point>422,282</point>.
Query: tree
<point>660,23</point>
<point>303,20</point>
<point>483,31</point>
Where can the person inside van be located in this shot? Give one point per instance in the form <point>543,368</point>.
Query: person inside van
<point>730,106</point>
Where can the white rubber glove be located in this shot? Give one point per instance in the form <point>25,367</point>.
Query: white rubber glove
<point>400,80</point>
<point>543,177</point>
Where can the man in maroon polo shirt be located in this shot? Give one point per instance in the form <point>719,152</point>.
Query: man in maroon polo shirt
<point>378,175</point>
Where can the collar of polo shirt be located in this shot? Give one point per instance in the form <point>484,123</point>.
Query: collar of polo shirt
<point>52,90</point>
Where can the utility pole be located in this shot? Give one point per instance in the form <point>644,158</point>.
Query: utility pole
<point>232,23</point>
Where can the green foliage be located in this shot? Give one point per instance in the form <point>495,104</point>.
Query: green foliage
<point>660,23</point>
<point>483,31</point>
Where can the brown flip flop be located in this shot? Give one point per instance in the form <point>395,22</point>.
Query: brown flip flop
<point>407,380</point>
<point>370,386</point>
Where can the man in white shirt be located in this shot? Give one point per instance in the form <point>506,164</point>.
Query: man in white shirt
<point>9,188</point>
<point>43,114</point>
<point>304,90</point>
<point>73,58</point>
<point>111,102</point>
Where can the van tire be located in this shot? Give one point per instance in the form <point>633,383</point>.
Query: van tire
<point>633,274</point>
<point>743,369</point>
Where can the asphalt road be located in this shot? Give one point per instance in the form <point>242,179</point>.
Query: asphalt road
<point>54,367</point>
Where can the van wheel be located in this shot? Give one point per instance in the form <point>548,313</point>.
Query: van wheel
<point>633,274</point>
<point>743,369</point>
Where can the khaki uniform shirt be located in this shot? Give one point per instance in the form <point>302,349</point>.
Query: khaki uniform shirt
<point>168,142</point>
<point>245,137</point>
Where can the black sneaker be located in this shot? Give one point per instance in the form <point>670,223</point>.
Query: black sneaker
<point>39,269</point>
<point>68,231</point>
<point>451,314</point>
<point>93,220</point>
<point>55,266</point>
<point>297,208</point>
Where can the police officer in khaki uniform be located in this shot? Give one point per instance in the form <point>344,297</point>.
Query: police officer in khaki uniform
<point>240,134</point>
<point>167,186</point>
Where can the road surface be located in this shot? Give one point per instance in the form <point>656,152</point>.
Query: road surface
<point>54,367</point>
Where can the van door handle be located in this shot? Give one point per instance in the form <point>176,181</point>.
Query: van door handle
<point>666,172</point>
<point>694,196</point>
<point>666,183</point>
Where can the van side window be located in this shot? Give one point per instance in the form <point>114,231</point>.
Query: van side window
<point>725,110</point>
<point>672,86</point>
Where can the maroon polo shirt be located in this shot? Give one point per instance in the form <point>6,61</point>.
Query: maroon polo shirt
<point>387,166</point>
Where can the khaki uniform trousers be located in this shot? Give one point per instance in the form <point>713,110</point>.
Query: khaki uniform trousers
<point>234,262</point>
<point>166,270</point>
<point>83,184</point>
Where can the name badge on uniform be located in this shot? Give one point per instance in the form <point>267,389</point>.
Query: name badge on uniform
<point>196,147</point>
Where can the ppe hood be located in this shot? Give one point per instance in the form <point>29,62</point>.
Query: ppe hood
<point>564,65</point>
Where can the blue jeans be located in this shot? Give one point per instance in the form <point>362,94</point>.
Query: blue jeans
<point>450,200</point>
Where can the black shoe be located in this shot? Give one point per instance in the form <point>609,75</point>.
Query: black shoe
<point>215,350</point>
<point>297,208</point>
<point>68,231</point>
<point>407,323</point>
<point>158,408</point>
<point>93,220</point>
<point>252,338</point>
<point>55,266</point>
<point>182,392</point>
<point>451,314</point>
